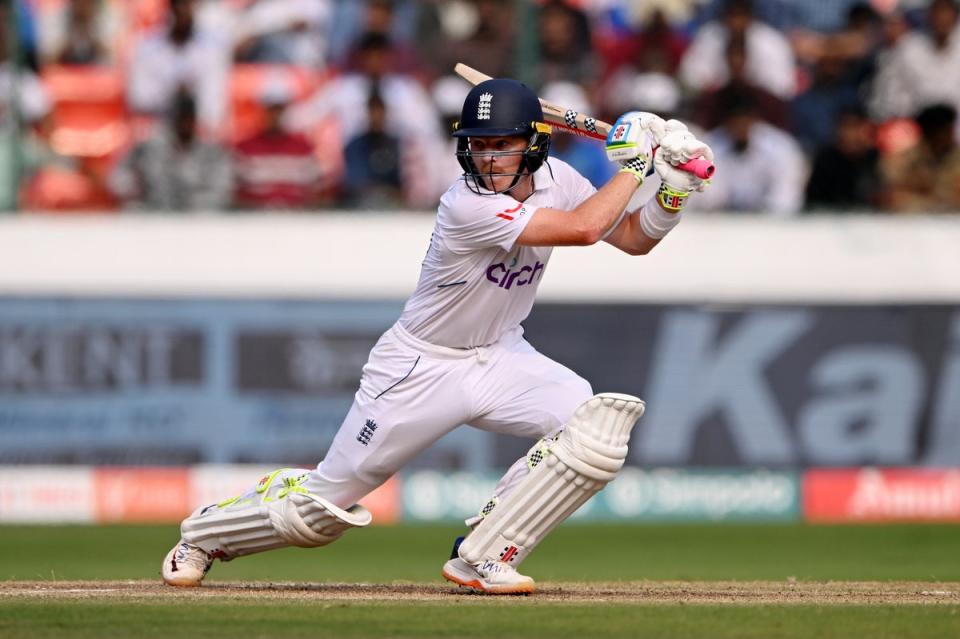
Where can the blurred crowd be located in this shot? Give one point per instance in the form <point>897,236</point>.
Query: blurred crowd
<point>311,105</point>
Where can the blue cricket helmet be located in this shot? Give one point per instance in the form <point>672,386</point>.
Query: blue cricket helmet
<point>495,108</point>
<point>499,107</point>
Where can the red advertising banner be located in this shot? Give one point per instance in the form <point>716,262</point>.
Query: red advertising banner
<point>887,495</point>
<point>141,494</point>
<point>384,502</point>
<point>169,494</point>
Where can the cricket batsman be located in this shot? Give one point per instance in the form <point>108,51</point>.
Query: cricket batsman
<point>457,354</point>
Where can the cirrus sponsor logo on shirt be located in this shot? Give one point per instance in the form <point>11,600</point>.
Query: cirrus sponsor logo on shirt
<point>506,277</point>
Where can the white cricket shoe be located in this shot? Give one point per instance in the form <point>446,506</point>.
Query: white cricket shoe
<point>490,577</point>
<point>186,565</point>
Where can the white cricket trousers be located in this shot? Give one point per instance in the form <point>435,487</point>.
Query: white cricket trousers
<point>413,393</point>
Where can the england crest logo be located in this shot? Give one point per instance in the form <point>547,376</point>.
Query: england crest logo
<point>483,107</point>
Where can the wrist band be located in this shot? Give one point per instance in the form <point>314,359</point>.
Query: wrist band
<point>655,222</point>
<point>671,199</point>
<point>637,167</point>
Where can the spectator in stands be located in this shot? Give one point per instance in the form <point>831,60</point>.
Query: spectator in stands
<point>769,107</point>
<point>33,104</point>
<point>565,51</point>
<point>409,108</point>
<point>479,33</point>
<point>827,16</point>
<point>846,172</point>
<point>763,168</point>
<point>23,124</point>
<point>448,93</point>
<point>655,47</point>
<point>644,75</point>
<point>380,16</point>
<point>921,68</point>
<point>859,43</point>
<point>410,113</point>
<point>770,61</point>
<point>373,177</point>
<point>175,170</point>
<point>583,154</point>
<point>815,112</point>
<point>284,32</point>
<point>276,169</point>
<point>79,32</point>
<point>926,177</point>
<point>175,56</point>
<point>399,20</point>
<point>25,27</point>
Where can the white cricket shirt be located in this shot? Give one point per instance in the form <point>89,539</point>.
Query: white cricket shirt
<point>475,282</point>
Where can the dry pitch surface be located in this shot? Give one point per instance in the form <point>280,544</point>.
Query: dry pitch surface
<point>638,592</point>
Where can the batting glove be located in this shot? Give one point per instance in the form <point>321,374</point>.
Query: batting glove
<point>677,146</point>
<point>632,139</point>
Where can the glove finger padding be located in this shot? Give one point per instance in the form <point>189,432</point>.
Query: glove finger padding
<point>679,146</point>
<point>672,126</point>
<point>677,178</point>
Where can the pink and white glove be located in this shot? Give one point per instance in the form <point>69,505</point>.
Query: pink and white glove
<point>678,145</point>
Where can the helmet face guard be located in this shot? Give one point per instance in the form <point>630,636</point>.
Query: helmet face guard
<point>482,182</point>
<point>501,108</point>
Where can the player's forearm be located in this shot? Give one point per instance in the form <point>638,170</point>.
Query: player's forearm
<point>601,211</point>
<point>629,235</point>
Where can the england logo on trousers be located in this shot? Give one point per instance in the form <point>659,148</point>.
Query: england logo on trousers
<point>366,433</point>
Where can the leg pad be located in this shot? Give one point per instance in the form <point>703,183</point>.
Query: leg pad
<point>584,457</point>
<point>278,512</point>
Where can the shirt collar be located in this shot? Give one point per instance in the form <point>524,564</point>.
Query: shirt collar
<point>542,178</point>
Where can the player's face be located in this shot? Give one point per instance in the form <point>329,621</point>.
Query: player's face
<point>498,155</point>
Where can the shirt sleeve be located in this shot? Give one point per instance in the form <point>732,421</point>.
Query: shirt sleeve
<point>482,221</point>
<point>580,189</point>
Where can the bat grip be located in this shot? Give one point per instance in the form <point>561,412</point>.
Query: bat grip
<point>700,167</point>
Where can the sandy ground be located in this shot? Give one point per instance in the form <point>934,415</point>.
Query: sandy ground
<point>638,592</point>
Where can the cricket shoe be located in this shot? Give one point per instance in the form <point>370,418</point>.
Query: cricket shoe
<point>186,565</point>
<point>489,577</point>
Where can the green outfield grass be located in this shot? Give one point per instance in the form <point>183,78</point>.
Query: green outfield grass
<point>483,620</point>
<point>572,553</point>
<point>414,554</point>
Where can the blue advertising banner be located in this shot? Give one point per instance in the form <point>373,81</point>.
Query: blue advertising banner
<point>174,382</point>
<point>177,382</point>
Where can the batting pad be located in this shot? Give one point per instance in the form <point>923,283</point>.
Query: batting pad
<point>585,456</point>
<point>277,513</point>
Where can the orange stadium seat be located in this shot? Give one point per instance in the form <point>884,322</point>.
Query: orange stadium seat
<point>88,123</point>
<point>247,83</point>
<point>58,190</point>
<point>247,115</point>
<point>89,110</point>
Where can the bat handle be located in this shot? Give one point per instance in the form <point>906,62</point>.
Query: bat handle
<point>700,167</point>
